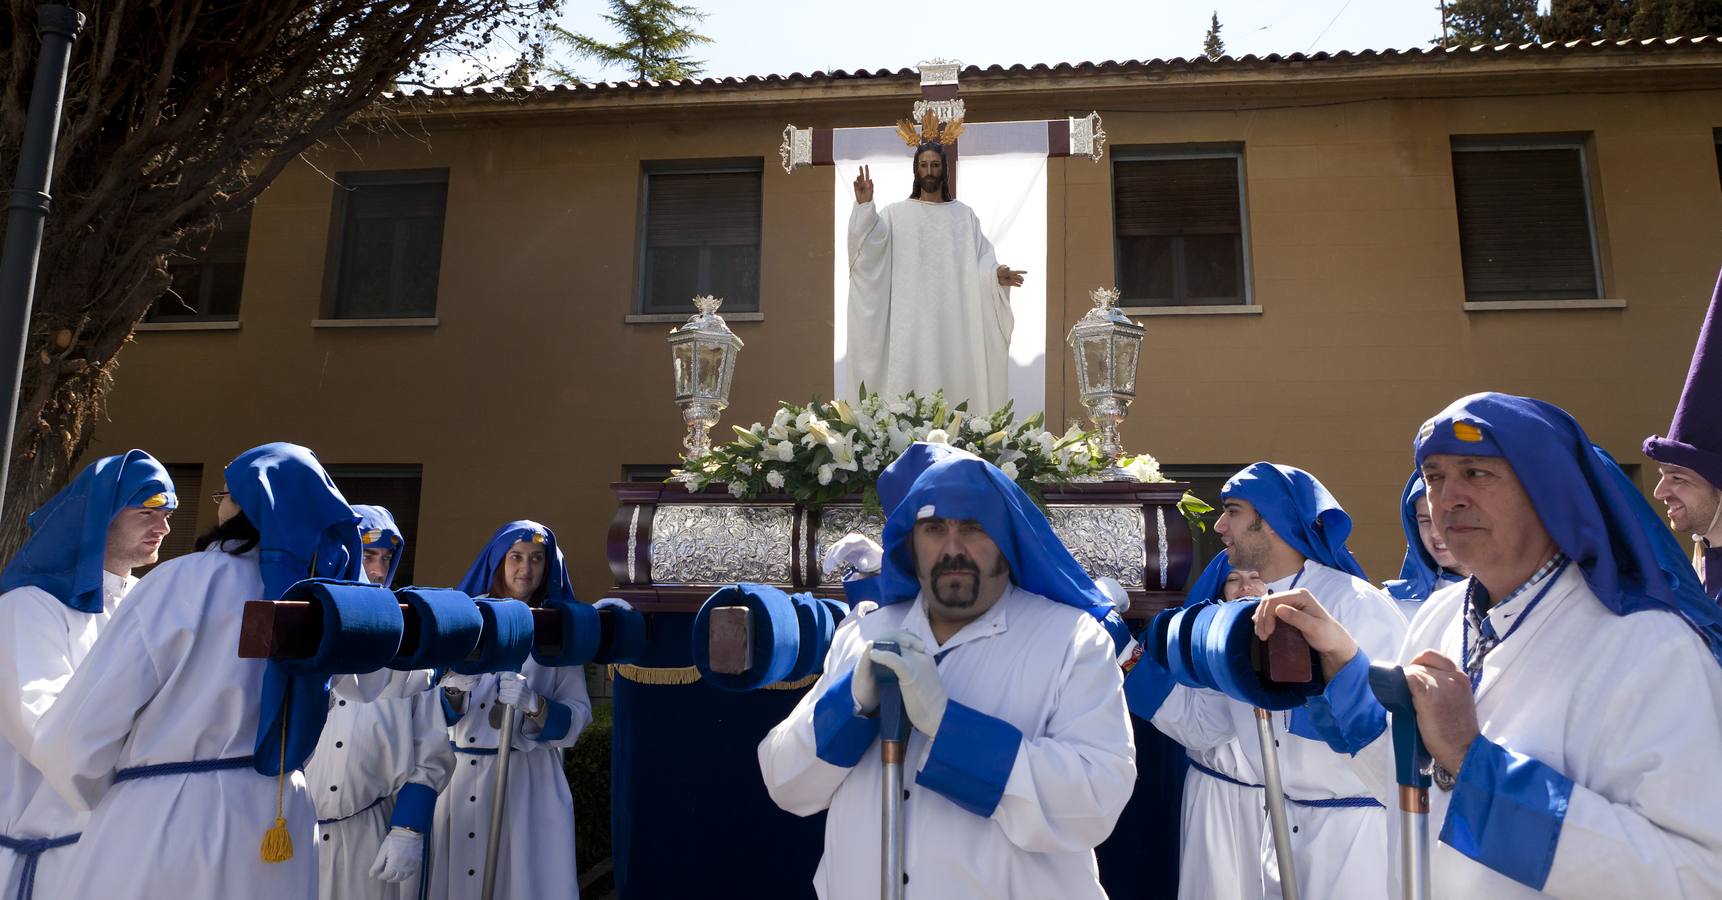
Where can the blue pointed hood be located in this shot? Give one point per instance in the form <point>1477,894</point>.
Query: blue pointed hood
<point>1595,514</point>
<point>1301,511</point>
<point>557,587</point>
<point>68,541</point>
<point>377,530</point>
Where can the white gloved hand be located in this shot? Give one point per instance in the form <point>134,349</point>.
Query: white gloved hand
<point>511,689</point>
<point>857,551</point>
<point>918,674</point>
<point>458,682</point>
<point>1114,592</point>
<point>401,855</point>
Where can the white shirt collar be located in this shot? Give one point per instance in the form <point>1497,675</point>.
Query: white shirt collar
<point>987,624</point>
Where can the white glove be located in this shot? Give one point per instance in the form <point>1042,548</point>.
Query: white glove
<point>511,689</point>
<point>401,855</point>
<point>857,551</point>
<point>458,682</point>
<point>918,674</point>
<point>1114,592</point>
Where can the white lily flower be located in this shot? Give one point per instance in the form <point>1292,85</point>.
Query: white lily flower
<point>774,480</point>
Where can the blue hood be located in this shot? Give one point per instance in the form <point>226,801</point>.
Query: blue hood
<point>557,587</point>
<point>1301,511</point>
<point>377,529</point>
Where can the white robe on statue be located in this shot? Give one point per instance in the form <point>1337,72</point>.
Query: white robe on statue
<point>42,641</point>
<point>1628,707</point>
<point>1220,842</point>
<point>926,310</point>
<point>1339,853</point>
<point>1045,668</point>
<point>536,856</point>
<point>366,753</point>
<point>165,684</point>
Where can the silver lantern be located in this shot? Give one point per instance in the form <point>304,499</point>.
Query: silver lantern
<point>704,351</point>
<point>1106,344</point>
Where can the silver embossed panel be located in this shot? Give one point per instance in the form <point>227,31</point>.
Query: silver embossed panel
<point>1106,540</point>
<point>837,521</point>
<point>713,543</point>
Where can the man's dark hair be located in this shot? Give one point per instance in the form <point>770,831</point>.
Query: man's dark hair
<point>944,173</point>
<point>238,528</point>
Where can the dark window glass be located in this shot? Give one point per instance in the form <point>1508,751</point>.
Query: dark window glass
<point>1524,223</point>
<point>1179,231</point>
<point>701,236</point>
<point>208,272</point>
<point>390,244</point>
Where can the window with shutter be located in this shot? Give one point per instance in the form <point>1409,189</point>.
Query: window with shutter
<point>700,235</point>
<point>387,242</point>
<point>1178,227</point>
<point>394,488</point>
<point>1525,225</point>
<point>208,270</point>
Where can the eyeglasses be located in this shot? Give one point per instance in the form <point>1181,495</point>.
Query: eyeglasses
<point>219,496</point>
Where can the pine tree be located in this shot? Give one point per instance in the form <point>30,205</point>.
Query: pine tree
<point>655,40</point>
<point>1592,20</point>
<point>1212,46</point>
<point>1490,22</point>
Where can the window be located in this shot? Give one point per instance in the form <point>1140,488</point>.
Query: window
<point>648,471</point>
<point>208,271</point>
<point>1718,135</point>
<point>386,244</point>
<point>396,489</point>
<point>1178,226</point>
<point>1525,225</point>
<point>700,235</point>
<point>1205,482</point>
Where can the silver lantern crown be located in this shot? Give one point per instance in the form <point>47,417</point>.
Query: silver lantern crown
<point>1107,344</point>
<point>704,351</point>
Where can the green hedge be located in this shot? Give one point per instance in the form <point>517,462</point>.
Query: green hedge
<point>587,765</point>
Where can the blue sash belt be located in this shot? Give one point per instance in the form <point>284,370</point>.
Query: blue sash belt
<point>473,751</point>
<point>183,768</point>
<point>31,849</point>
<point>351,815</point>
<point>1330,803</point>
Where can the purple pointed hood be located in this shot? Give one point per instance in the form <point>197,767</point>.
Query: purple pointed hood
<point>1695,438</point>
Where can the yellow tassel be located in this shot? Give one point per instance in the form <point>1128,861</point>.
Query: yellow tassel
<point>277,842</point>
<point>796,685</point>
<point>644,675</point>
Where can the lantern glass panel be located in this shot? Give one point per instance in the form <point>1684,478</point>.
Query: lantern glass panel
<point>1094,359</point>
<point>1124,362</point>
<point>683,355</point>
<point>711,369</point>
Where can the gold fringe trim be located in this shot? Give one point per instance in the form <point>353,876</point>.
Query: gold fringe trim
<point>793,685</point>
<point>689,675</point>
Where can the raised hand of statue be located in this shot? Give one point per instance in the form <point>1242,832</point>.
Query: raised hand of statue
<point>864,186</point>
<point>1008,277</point>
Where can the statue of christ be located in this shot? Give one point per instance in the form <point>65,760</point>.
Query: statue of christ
<point>929,305</point>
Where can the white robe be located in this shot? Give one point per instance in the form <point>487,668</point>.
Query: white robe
<point>1047,669</point>
<point>166,685</point>
<point>367,752</point>
<point>926,310</point>
<point>536,856</point>
<point>1220,838</point>
<point>42,641</point>
<point>1338,853</point>
<point>1628,707</point>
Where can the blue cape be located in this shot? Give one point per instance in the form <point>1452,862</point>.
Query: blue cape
<point>1595,514</point>
<point>377,528</point>
<point>306,530</point>
<point>1419,574</point>
<point>557,588</point>
<point>69,534</point>
<point>962,486</point>
<point>1300,510</point>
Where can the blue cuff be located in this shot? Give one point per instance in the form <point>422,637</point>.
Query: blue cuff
<point>556,722</point>
<point>971,758</point>
<point>1346,714</point>
<point>839,735</point>
<point>415,805</point>
<point>1507,812</point>
<point>1146,687</point>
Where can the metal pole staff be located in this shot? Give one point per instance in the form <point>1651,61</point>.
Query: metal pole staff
<point>27,206</point>
<point>493,842</point>
<point>1411,770</point>
<point>1276,800</point>
<point>893,740</point>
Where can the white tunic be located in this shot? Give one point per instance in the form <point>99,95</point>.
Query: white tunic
<point>926,310</point>
<point>166,685</point>
<point>1339,852</point>
<point>1628,707</point>
<point>1047,669</point>
<point>536,856</point>
<point>1219,848</point>
<point>42,641</point>
<point>367,752</point>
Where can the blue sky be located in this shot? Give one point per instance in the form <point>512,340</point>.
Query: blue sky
<point>754,37</point>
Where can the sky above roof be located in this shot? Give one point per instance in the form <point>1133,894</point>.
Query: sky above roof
<point>754,37</point>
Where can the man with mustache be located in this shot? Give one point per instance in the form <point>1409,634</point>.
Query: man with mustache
<point>1689,459</point>
<point>1428,565</point>
<point>1022,755</point>
<point>929,305</point>
<point>1569,691</point>
<point>61,588</point>
<point>1282,523</point>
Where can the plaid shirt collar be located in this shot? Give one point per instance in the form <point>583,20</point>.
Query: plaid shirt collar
<point>1478,595</point>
